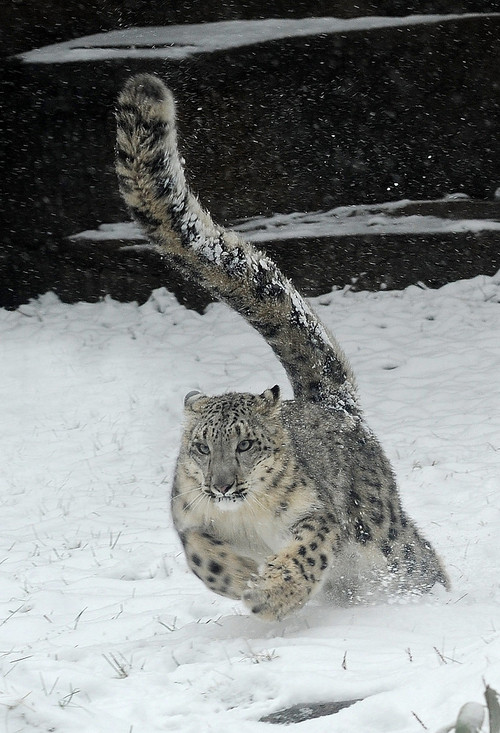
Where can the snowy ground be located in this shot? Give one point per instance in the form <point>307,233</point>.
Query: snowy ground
<point>102,627</point>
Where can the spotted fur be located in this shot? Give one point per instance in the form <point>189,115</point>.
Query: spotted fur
<point>272,500</point>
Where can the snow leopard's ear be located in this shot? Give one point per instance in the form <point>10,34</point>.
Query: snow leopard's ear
<point>271,398</point>
<point>191,398</point>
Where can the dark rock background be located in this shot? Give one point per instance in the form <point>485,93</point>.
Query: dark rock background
<point>296,124</point>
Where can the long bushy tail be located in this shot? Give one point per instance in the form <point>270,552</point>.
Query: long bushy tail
<point>153,185</point>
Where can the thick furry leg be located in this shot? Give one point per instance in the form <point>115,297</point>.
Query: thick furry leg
<point>291,577</point>
<point>215,563</point>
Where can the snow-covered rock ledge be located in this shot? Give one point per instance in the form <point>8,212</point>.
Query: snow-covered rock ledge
<point>178,42</point>
<point>452,214</point>
<point>379,247</point>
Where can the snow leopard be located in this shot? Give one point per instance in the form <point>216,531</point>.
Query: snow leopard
<point>274,500</point>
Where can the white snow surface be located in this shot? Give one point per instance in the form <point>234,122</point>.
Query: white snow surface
<point>102,626</point>
<point>182,41</point>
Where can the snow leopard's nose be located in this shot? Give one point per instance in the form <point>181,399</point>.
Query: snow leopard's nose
<point>223,487</point>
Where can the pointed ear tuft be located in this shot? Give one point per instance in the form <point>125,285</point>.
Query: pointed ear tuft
<point>276,392</point>
<point>191,398</point>
<point>272,396</point>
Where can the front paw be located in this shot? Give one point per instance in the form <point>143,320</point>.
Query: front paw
<point>259,602</point>
<point>262,604</point>
<point>274,595</point>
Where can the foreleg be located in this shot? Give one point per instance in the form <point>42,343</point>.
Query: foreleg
<point>217,564</point>
<point>291,577</point>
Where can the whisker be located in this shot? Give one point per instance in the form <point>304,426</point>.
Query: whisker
<point>207,507</point>
<point>252,498</point>
<point>197,499</point>
<point>185,493</point>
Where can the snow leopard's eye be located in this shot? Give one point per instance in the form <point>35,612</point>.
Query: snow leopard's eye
<point>202,448</point>
<point>244,445</point>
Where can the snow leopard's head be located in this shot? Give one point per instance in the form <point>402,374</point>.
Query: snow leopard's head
<point>232,442</point>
